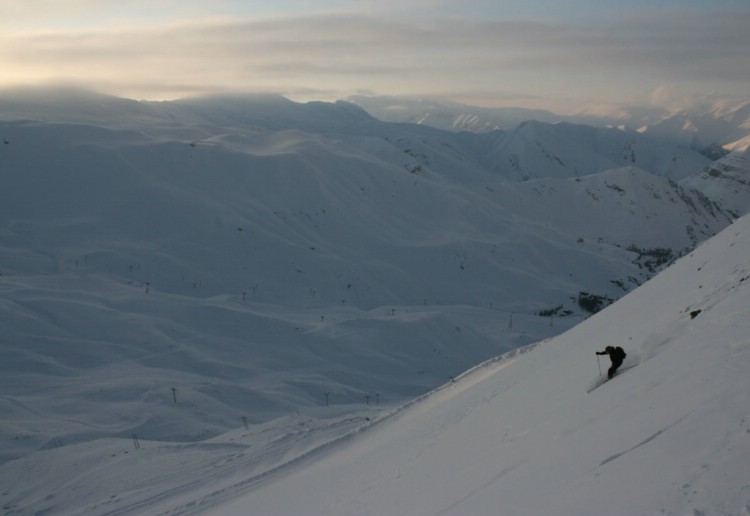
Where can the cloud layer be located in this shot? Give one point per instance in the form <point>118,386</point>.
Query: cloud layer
<point>331,56</point>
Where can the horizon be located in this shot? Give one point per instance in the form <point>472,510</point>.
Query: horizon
<point>660,103</point>
<point>582,56</point>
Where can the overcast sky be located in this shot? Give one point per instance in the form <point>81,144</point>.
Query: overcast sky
<point>557,54</point>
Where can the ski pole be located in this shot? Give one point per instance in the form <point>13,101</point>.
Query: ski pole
<point>599,364</point>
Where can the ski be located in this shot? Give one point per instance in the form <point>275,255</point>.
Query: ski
<point>600,380</point>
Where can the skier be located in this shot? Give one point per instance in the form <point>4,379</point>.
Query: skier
<point>616,355</point>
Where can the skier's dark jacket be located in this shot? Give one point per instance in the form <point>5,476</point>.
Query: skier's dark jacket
<point>616,354</point>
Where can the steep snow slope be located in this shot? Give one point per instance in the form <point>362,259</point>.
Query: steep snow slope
<point>521,436</point>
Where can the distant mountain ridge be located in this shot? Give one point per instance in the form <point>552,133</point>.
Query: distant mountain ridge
<point>449,116</point>
<point>700,126</point>
<point>535,149</point>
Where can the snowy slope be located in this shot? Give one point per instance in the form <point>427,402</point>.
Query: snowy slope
<point>521,436</point>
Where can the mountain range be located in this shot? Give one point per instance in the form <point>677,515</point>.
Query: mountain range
<point>173,270</point>
<point>709,125</point>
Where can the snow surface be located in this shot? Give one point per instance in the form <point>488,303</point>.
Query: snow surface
<point>199,297</point>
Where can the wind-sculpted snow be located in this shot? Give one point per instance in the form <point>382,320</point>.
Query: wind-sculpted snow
<point>173,271</point>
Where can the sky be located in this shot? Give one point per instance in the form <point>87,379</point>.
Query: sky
<point>564,55</point>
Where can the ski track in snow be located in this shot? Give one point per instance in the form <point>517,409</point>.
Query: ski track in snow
<point>636,446</point>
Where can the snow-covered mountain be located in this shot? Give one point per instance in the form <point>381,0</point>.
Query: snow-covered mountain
<point>707,125</point>
<point>170,269</point>
<point>726,180</point>
<point>449,116</point>
<point>535,149</point>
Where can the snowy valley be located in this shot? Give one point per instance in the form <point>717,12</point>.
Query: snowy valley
<point>208,296</point>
